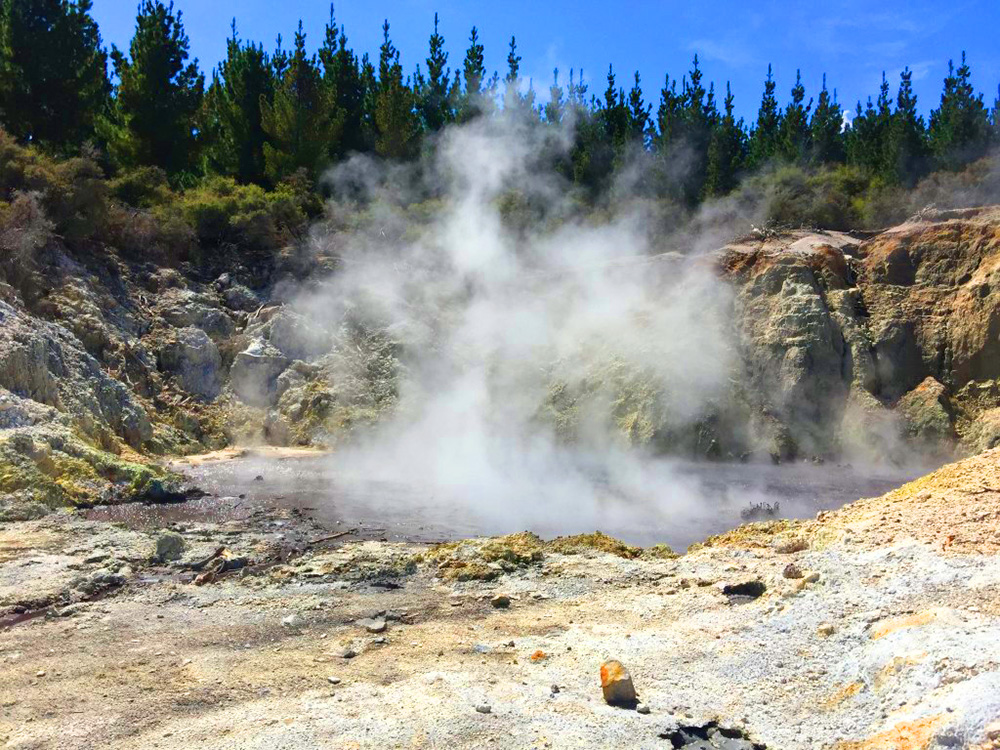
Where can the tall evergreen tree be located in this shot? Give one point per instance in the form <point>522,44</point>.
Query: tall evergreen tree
<point>243,79</point>
<point>396,121</point>
<point>153,119</point>
<point>435,99</point>
<point>473,96</point>
<point>726,152</point>
<point>794,135</point>
<point>869,138</point>
<point>639,117</point>
<point>614,113</point>
<point>301,122</point>
<point>995,120</point>
<point>342,79</point>
<point>513,99</point>
<point>668,116</point>
<point>764,141</point>
<point>699,117</point>
<point>553,109</point>
<point>908,137</point>
<point>53,71</point>
<point>826,137</point>
<point>959,126</point>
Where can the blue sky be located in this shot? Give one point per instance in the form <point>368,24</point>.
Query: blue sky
<point>853,41</point>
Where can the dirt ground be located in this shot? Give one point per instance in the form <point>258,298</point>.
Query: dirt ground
<point>875,627</point>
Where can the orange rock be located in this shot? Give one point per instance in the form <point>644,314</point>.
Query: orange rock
<point>617,686</point>
<point>907,735</point>
<point>539,656</point>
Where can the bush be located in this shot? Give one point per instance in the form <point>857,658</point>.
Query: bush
<point>828,198</point>
<point>73,191</point>
<point>24,230</point>
<point>144,187</point>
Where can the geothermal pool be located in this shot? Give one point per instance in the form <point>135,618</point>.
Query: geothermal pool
<point>674,502</point>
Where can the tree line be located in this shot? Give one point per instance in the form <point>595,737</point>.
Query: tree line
<point>265,115</point>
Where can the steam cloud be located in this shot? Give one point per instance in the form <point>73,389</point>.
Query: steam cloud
<point>539,357</point>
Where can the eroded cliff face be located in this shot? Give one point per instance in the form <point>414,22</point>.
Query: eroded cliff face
<point>872,348</point>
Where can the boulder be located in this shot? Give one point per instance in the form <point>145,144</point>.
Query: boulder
<point>192,357</point>
<point>616,683</point>
<point>255,371</point>
<point>169,546</point>
<point>927,413</point>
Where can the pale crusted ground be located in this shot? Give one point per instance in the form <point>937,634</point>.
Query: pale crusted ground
<point>896,645</point>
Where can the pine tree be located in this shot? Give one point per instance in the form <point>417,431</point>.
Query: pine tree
<point>513,99</point>
<point>53,72</point>
<point>242,80</point>
<point>826,135</point>
<point>396,122</point>
<point>342,79</point>
<point>301,122</point>
<point>908,137</point>
<point>638,114</point>
<point>995,120</point>
<point>699,117</point>
<point>869,144</point>
<point>668,116</point>
<point>726,152</point>
<point>959,126</point>
<point>473,97</point>
<point>764,141</point>
<point>794,137</point>
<point>614,114</point>
<point>434,96</point>
<point>556,104</point>
<point>153,119</point>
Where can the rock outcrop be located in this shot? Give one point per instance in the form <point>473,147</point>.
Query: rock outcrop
<point>857,343</point>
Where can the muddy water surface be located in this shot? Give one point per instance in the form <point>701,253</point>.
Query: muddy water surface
<point>700,499</point>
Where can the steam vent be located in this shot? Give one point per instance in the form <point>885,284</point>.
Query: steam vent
<point>380,386</point>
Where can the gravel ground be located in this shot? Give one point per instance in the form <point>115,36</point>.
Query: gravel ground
<point>889,639</point>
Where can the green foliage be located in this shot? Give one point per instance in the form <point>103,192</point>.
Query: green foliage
<point>435,96</point>
<point>53,72</point>
<point>827,198</point>
<point>959,127</point>
<point>71,192</point>
<point>343,80</point>
<point>396,121</point>
<point>765,139</point>
<point>153,119</point>
<point>233,107</point>
<point>826,136</point>
<point>794,130</point>
<point>223,212</point>
<point>727,152</point>
<point>302,122</point>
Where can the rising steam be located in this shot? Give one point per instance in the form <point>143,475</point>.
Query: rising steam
<point>540,359</point>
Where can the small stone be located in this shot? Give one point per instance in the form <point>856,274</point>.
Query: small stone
<point>40,673</point>
<point>292,621</point>
<point>169,546</point>
<point>483,708</point>
<point>500,601</point>
<point>555,688</point>
<point>792,571</point>
<point>333,680</point>
<point>826,628</point>
<point>373,624</point>
<point>812,577</point>
<point>348,653</point>
<point>642,708</point>
<point>993,731</point>
<point>616,684</point>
